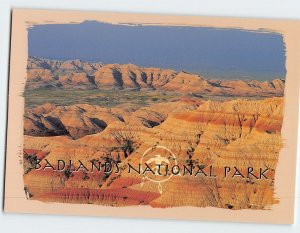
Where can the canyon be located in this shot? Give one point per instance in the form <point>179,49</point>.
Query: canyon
<point>176,110</point>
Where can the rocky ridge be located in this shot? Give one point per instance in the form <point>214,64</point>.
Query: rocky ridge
<point>75,74</point>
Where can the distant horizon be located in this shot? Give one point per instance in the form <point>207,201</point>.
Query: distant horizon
<point>209,52</point>
<point>208,77</point>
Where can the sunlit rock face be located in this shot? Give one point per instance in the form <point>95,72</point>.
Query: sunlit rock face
<point>228,132</point>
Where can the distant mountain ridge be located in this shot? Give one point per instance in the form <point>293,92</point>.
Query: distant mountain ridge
<point>75,74</point>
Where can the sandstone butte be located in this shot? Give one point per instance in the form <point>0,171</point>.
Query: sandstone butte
<point>236,132</point>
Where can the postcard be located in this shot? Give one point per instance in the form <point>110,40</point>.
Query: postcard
<point>152,116</point>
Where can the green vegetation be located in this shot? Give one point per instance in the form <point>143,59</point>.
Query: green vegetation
<point>104,98</point>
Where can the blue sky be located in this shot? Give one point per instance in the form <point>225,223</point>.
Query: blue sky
<point>214,53</point>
